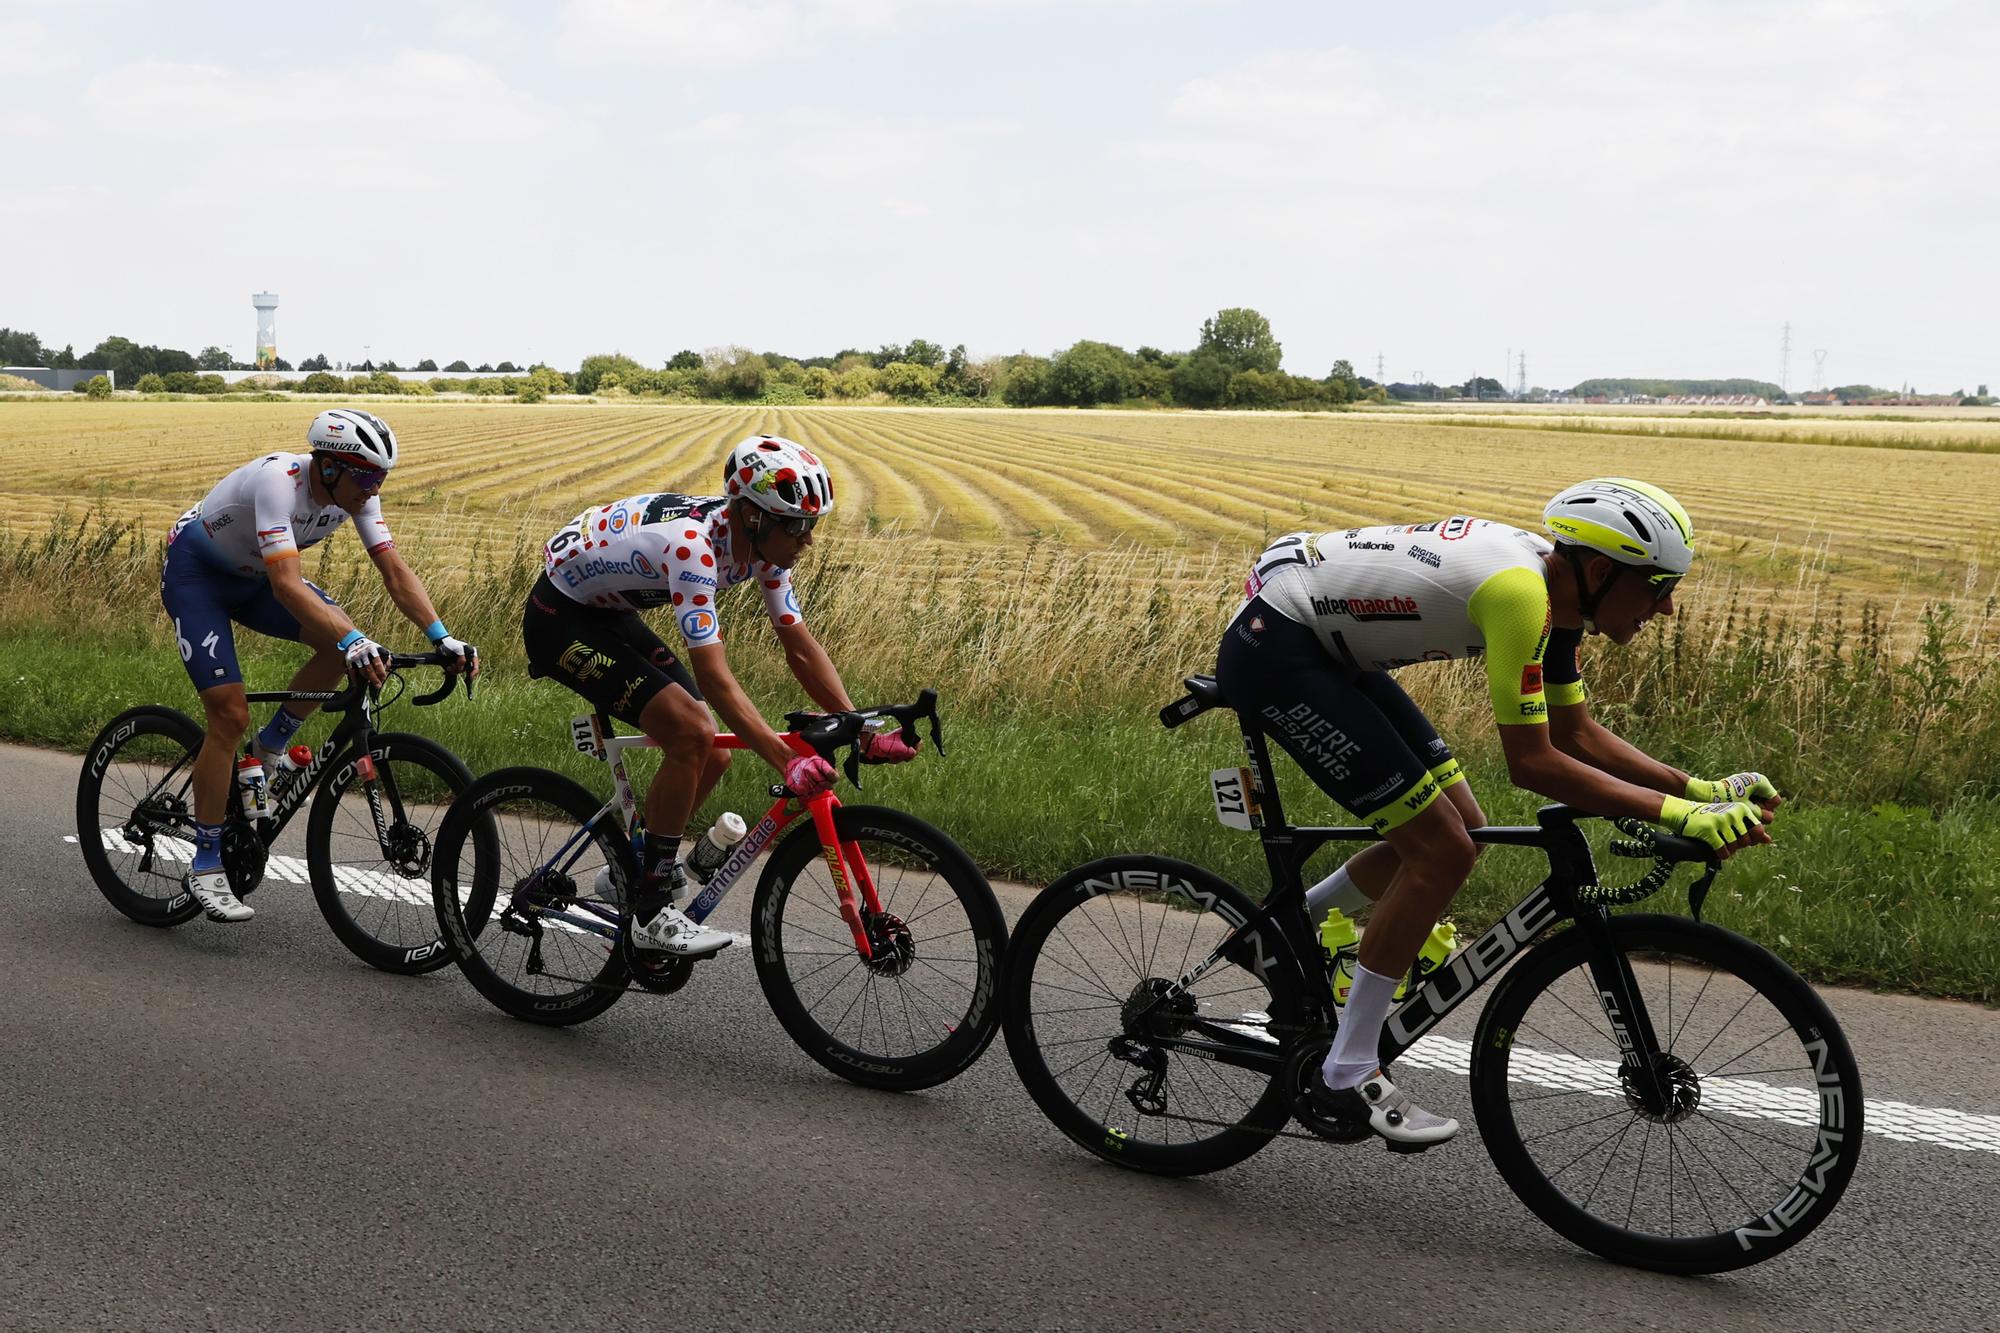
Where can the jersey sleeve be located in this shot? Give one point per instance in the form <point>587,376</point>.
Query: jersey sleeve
<point>781,600</point>
<point>369,526</point>
<point>1560,670</point>
<point>1511,610</point>
<point>271,495</point>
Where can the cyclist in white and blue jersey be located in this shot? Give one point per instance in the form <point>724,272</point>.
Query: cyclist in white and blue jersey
<point>233,559</point>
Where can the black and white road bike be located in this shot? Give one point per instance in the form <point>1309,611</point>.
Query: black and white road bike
<point>1659,1090</point>
<point>382,795</point>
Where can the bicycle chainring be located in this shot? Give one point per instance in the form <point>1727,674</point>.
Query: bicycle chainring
<point>1301,1073</point>
<point>243,857</point>
<point>660,973</point>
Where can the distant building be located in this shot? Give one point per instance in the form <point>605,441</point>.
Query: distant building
<point>60,380</point>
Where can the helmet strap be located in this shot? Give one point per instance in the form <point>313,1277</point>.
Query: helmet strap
<point>750,520</point>
<point>1587,597</point>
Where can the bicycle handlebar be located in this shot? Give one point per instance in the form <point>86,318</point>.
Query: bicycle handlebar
<point>1668,850</point>
<point>351,694</point>
<point>827,733</point>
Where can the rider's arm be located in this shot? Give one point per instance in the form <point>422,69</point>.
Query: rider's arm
<point>1512,611</point>
<point>321,623</point>
<point>1577,734</point>
<point>813,668</point>
<point>726,697</point>
<point>405,589</point>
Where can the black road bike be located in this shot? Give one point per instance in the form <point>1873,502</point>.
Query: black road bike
<point>368,837</point>
<point>1659,1090</point>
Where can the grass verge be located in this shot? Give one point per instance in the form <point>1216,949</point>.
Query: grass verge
<point>1873,893</point>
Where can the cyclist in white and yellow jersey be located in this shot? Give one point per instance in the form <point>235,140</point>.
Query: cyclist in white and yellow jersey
<point>233,559</point>
<point>1327,617</point>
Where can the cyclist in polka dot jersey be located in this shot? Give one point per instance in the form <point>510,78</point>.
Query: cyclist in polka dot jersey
<point>581,626</point>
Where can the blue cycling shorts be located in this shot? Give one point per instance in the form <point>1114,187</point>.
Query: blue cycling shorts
<point>202,600</point>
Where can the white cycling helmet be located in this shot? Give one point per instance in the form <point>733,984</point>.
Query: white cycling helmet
<point>1630,521</point>
<point>361,437</point>
<point>779,476</point>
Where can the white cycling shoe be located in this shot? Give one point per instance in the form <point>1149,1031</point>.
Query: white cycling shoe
<point>673,931</point>
<point>211,890</point>
<point>1389,1112</point>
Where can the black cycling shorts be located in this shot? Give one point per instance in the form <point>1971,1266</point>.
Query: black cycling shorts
<point>1363,740</point>
<point>609,657</point>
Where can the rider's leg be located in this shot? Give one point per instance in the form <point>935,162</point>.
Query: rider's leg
<point>712,770</point>
<point>227,717</point>
<point>1436,856</point>
<point>683,728</point>
<point>322,671</point>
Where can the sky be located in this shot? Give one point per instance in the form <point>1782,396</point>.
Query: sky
<point>1615,187</point>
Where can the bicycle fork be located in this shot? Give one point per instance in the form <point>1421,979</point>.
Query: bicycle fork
<point>1641,1066</point>
<point>844,862</point>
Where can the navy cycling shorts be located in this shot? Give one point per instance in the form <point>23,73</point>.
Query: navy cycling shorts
<point>1355,733</point>
<point>202,601</point>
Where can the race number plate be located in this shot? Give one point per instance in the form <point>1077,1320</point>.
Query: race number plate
<point>1235,802</point>
<point>584,735</point>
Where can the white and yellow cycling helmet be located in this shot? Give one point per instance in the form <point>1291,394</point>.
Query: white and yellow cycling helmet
<point>1630,521</point>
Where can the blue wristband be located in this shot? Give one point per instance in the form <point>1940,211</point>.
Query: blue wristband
<point>436,632</point>
<point>349,639</point>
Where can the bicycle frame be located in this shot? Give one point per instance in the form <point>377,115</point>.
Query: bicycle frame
<point>1286,850</point>
<point>591,734</point>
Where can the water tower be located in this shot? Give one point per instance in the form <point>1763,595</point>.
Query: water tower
<point>267,329</point>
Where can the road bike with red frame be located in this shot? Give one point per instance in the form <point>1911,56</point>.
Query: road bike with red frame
<point>877,941</point>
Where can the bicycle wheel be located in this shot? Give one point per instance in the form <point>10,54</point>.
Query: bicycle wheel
<point>921,1010</point>
<point>1765,1124</point>
<point>372,880</point>
<point>135,814</point>
<point>513,885</point>
<point>1087,957</point>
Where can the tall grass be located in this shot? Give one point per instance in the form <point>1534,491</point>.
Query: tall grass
<point>1922,436</point>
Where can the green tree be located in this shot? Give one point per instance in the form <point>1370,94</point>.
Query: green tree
<point>96,387</point>
<point>1201,379</point>
<point>320,362</point>
<point>21,348</point>
<point>428,366</point>
<point>818,382</point>
<point>1025,381</point>
<point>907,380</point>
<point>1087,373</point>
<point>319,381</point>
<point>150,383</point>
<point>507,368</point>
<point>531,392</point>
<point>212,358</point>
<point>685,359</point>
<point>1242,338</point>
<point>63,360</point>
<point>922,352</point>
<point>180,381</point>
<point>856,383</point>
<point>455,368</point>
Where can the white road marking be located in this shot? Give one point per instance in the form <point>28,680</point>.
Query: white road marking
<point>1936,1125</point>
<point>350,879</point>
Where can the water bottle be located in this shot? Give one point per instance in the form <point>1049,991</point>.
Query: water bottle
<point>1439,946</point>
<point>1343,950</point>
<point>256,794</point>
<point>712,848</point>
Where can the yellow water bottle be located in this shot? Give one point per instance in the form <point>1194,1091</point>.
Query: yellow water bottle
<point>1343,948</point>
<point>1438,947</point>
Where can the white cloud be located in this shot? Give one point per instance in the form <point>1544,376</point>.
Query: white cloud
<point>29,49</point>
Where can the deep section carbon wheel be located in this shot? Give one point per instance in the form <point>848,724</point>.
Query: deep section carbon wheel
<point>1091,1007</point>
<point>923,1007</point>
<point>515,886</point>
<point>135,814</point>
<point>1750,1146</point>
<point>369,843</point>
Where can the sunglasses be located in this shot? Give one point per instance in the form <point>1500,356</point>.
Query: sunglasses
<point>367,479</point>
<point>798,527</point>
<point>1664,585</point>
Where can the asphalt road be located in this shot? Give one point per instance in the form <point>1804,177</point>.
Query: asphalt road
<point>239,1127</point>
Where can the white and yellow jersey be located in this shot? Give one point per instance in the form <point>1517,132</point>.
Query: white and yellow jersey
<point>1389,597</point>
